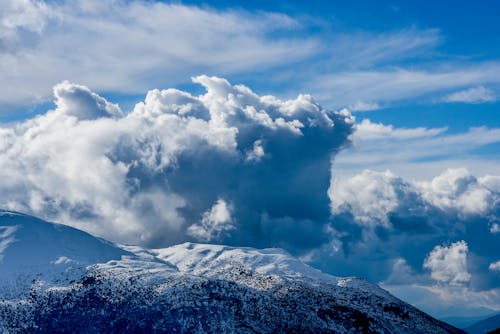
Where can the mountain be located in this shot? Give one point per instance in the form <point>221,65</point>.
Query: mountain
<point>65,280</point>
<point>463,322</point>
<point>485,326</point>
<point>32,249</point>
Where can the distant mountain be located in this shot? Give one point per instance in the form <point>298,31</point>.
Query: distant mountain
<point>463,322</point>
<point>65,280</point>
<point>485,326</point>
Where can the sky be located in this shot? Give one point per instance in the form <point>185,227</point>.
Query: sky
<point>363,137</point>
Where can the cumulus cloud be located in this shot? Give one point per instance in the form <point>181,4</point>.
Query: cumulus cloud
<point>477,94</point>
<point>214,222</point>
<point>228,165</point>
<point>368,196</point>
<point>448,264</point>
<point>373,196</point>
<point>398,232</point>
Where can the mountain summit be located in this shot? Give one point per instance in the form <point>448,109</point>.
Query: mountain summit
<point>61,279</point>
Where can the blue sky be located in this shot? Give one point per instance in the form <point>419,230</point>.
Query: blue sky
<point>406,194</point>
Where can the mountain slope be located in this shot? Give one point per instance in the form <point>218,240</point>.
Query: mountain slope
<point>31,248</point>
<point>188,288</point>
<point>484,326</point>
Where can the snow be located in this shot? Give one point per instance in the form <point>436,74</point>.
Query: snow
<point>208,260</point>
<point>31,248</point>
<point>71,274</point>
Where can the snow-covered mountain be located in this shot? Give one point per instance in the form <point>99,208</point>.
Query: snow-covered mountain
<point>64,280</point>
<point>32,249</point>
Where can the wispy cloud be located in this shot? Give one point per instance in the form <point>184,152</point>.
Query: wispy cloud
<point>346,87</point>
<point>478,94</point>
<point>416,152</point>
<point>364,106</point>
<point>129,47</point>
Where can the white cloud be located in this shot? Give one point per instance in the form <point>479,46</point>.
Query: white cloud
<point>478,94</point>
<point>416,153</point>
<point>257,151</point>
<point>147,175</point>
<point>401,273</point>
<point>16,15</point>
<point>214,223</point>
<point>79,101</point>
<point>95,43</point>
<point>369,196</point>
<point>457,189</point>
<point>448,264</point>
<point>364,106</point>
<point>495,267</point>
<point>495,228</point>
<point>388,224</point>
<point>367,131</point>
<point>398,83</point>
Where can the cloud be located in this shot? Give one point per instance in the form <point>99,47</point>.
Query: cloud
<point>398,83</point>
<point>22,15</point>
<point>364,106</point>
<point>225,166</point>
<point>367,130</point>
<point>234,167</point>
<point>478,94</point>
<point>95,43</point>
<point>448,264</point>
<point>371,196</point>
<point>417,153</point>
<point>401,273</point>
<point>495,228</point>
<point>368,196</point>
<point>398,232</point>
<point>79,101</point>
<point>457,189</point>
<point>495,267</point>
<point>214,222</point>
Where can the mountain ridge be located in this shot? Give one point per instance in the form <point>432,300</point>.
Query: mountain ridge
<point>186,288</point>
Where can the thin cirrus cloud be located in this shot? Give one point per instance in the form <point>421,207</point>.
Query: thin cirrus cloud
<point>400,83</point>
<point>478,94</point>
<point>96,43</point>
<point>133,45</point>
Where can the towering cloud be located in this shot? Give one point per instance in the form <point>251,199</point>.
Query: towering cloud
<point>226,166</point>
